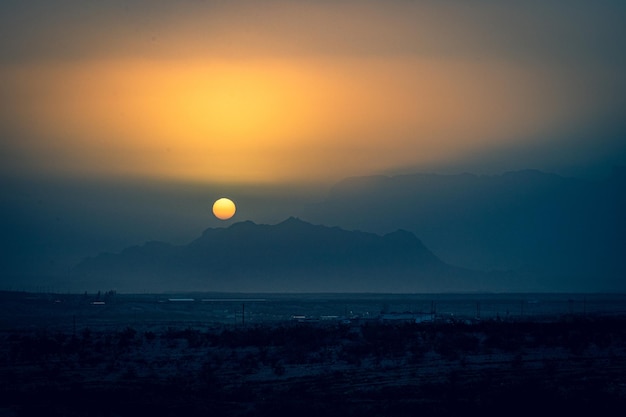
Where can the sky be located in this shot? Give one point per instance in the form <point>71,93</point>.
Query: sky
<point>130,117</point>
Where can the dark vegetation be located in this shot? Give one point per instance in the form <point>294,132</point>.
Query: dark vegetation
<point>369,368</point>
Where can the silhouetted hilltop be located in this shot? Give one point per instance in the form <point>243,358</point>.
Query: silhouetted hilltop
<point>290,256</point>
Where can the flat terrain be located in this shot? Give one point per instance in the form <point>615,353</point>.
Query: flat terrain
<point>69,361</point>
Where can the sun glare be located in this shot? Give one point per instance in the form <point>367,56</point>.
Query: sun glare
<point>259,121</point>
<point>234,108</point>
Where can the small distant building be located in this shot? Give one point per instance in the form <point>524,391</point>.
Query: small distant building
<point>303,319</point>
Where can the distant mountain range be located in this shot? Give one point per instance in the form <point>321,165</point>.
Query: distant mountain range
<point>519,231</point>
<point>292,256</point>
<point>562,233</point>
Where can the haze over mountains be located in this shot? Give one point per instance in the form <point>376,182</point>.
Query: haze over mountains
<point>563,233</point>
<point>519,231</point>
<point>292,256</point>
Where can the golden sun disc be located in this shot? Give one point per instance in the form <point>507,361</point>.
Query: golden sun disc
<point>224,208</point>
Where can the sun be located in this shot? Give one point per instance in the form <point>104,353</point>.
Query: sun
<point>224,208</point>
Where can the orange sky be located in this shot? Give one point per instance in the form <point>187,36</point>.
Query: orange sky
<point>291,92</point>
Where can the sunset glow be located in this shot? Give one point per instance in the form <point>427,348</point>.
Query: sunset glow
<point>261,121</point>
<point>244,97</point>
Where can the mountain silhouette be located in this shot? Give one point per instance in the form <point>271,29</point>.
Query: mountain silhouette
<point>291,256</point>
<point>562,233</point>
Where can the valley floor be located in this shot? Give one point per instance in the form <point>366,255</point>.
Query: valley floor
<point>570,363</point>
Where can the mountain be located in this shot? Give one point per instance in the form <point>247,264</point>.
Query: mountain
<point>562,233</point>
<point>291,256</point>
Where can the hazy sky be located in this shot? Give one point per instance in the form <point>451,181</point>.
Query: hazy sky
<point>292,91</point>
<point>121,121</point>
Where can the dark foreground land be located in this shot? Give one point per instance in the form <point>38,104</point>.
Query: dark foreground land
<point>571,363</point>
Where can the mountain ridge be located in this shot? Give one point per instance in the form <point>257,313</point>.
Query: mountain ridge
<point>290,256</point>
<point>562,231</point>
